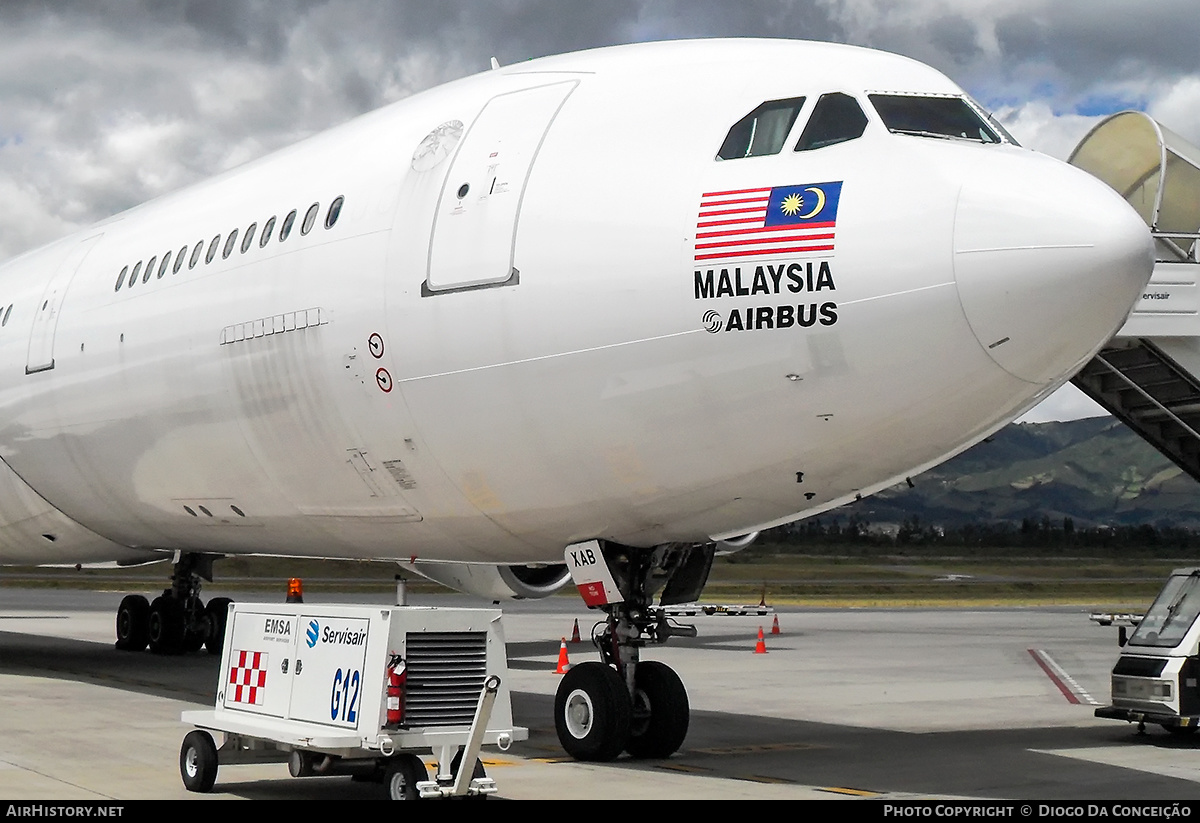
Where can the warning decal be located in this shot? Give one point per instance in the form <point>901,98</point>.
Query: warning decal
<point>248,677</point>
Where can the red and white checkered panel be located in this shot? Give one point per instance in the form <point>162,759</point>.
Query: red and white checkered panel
<point>248,677</point>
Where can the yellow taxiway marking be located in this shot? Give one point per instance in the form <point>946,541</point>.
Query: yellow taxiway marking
<point>680,767</point>
<point>854,792</point>
<point>759,778</point>
<point>761,747</point>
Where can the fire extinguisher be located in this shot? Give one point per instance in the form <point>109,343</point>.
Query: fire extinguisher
<point>397,675</point>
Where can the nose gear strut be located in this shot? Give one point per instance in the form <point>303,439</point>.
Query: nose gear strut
<point>623,703</point>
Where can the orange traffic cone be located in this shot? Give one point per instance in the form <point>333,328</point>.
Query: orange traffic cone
<point>575,632</point>
<point>563,663</point>
<point>761,647</point>
<point>775,625</point>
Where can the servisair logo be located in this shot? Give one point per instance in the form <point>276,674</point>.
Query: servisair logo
<point>747,245</point>
<point>316,633</point>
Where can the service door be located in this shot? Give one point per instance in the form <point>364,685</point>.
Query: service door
<point>40,356</point>
<point>475,223</point>
<point>258,676</point>
<point>329,684</point>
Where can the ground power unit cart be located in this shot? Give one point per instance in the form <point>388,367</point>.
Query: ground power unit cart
<point>359,690</point>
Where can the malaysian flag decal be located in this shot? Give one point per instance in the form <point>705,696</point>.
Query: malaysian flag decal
<point>752,223</point>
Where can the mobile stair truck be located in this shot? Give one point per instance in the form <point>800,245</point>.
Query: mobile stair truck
<point>1157,677</point>
<point>358,690</point>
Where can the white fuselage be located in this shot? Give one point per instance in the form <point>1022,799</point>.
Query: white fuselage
<point>544,359</point>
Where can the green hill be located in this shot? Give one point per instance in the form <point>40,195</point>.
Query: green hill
<point>1094,471</point>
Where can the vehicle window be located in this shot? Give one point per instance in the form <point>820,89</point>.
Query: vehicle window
<point>310,218</point>
<point>1171,614</point>
<point>7,312</point>
<point>212,249</point>
<point>179,258</point>
<point>929,116</point>
<point>230,242</point>
<point>335,210</point>
<point>149,269</point>
<point>268,230</point>
<point>136,271</point>
<point>196,254</point>
<point>762,131</point>
<point>121,278</point>
<point>836,118</point>
<point>166,261</point>
<point>248,240</point>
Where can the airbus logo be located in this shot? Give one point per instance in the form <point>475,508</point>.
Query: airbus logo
<point>313,633</point>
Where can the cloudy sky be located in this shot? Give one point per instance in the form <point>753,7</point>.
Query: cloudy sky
<point>104,104</point>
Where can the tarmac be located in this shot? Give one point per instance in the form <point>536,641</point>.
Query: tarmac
<point>878,704</point>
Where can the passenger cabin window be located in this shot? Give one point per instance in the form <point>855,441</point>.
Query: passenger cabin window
<point>266,234</point>
<point>162,268</point>
<point>310,218</point>
<point>249,238</point>
<point>335,209</point>
<point>762,131</point>
<point>835,119</point>
<point>230,242</point>
<point>927,116</point>
<point>287,225</point>
<point>196,254</point>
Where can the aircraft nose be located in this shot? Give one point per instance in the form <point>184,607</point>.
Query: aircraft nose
<point>1048,262</point>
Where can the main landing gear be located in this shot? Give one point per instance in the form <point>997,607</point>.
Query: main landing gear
<point>178,620</point>
<point>622,703</point>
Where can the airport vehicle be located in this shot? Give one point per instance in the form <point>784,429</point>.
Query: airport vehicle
<point>1157,677</point>
<point>358,690</point>
<point>586,318</point>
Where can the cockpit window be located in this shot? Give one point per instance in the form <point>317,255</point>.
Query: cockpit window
<point>762,131</point>
<point>925,116</point>
<point>836,118</point>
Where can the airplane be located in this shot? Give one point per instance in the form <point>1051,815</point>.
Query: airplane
<point>584,319</point>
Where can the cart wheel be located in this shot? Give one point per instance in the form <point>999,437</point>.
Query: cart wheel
<point>133,623</point>
<point>400,775</point>
<point>300,763</point>
<point>1180,731</point>
<point>198,762</point>
<point>478,771</point>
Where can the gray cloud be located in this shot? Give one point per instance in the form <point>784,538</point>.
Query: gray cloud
<point>105,104</point>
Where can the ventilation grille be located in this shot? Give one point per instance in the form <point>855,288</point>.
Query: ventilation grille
<point>446,673</point>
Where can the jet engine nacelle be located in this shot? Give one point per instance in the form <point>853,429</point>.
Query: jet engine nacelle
<point>495,582</point>
<point>733,545</point>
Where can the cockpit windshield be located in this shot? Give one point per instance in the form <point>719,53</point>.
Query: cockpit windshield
<point>1171,614</point>
<point>944,117</point>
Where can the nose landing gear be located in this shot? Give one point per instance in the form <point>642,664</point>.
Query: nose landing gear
<point>623,703</point>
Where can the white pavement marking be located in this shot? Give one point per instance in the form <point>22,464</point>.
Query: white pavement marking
<point>1061,673</point>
